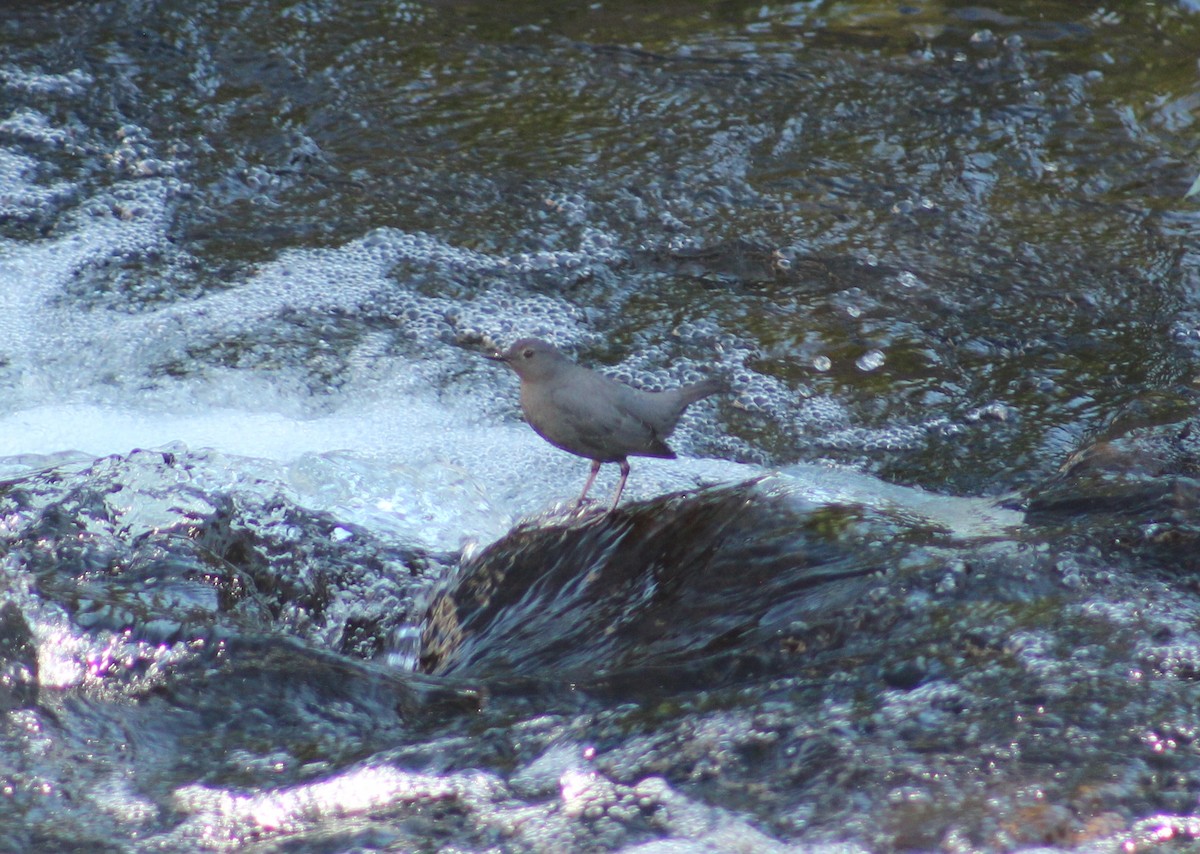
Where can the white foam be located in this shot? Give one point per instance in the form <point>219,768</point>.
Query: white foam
<point>98,431</point>
<point>395,428</point>
<point>82,375</point>
<point>409,467</point>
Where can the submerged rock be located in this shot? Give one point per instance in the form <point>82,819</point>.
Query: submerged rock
<point>18,660</point>
<point>1136,492</point>
<point>703,586</point>
<point>174,546</point>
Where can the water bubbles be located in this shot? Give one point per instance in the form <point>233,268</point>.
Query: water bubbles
<point>573,209</point>
<point>32,126</point>
<point>20,197</point>
<point>870,361</point>
<point>889,439</point>
<point>72,84</point>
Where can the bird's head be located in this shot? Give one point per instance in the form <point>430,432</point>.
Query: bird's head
<point>531,358</point>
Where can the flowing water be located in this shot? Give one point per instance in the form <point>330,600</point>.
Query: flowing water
<point>283,570</point>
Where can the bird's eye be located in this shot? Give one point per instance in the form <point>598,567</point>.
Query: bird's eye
<point>528,354</point>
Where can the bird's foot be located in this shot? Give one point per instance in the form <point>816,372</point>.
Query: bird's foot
<point>588,507</point>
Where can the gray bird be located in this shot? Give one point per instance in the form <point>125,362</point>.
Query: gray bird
<point>594,416</point>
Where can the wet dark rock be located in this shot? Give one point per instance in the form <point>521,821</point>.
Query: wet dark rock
<point>723,586</point>
<point>317,700</point>
<point>1136,492</point>
<point>740,652</point>
<point>142,544</point>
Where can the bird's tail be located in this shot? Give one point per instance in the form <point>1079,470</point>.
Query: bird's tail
<point>689,394</point>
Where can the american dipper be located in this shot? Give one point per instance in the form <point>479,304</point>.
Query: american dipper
<point>594,416</point>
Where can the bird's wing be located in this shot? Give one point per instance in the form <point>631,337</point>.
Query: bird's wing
<point>601,417</point>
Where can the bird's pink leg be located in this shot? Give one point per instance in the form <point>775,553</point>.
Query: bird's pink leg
<point>621,484</point>
<point>591,479</point>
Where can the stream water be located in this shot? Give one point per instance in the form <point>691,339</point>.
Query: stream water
<point>282,569</point>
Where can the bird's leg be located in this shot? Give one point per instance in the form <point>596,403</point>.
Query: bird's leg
<point>621,484</point>
<point>591,479</point>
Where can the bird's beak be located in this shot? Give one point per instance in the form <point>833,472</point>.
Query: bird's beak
<point>495,356</point>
